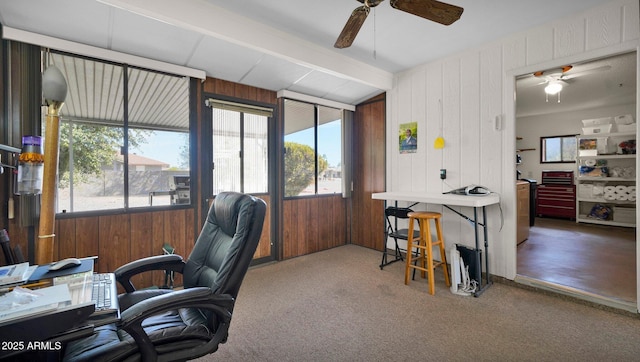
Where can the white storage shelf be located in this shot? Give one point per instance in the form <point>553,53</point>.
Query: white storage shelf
<point>589,189</point>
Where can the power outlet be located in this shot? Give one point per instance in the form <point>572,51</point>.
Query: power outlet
<point>443,173</point>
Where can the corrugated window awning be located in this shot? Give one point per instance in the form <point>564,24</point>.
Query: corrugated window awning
<point>96,95</point>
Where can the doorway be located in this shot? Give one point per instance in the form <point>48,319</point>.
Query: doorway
<point>240,154</point>
<point>596,260</point>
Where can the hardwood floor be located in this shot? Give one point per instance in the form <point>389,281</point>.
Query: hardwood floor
<point>592,258</point>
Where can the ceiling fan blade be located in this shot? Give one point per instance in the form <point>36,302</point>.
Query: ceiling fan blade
<point>585,72</point>
<point>433,10</point>
<point>351,28</point>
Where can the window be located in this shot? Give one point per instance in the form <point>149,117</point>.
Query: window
<point>124,137</point>
<point>558,149</point>
<point>240,147</point>
<point>313,149</point>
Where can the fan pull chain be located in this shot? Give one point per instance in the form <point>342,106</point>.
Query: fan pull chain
<point>374,34</point>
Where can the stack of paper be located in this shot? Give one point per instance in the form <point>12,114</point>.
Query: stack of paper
<point>15,274</point>
<point>21,302</point>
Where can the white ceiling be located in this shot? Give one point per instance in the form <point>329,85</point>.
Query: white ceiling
<point>281,44</point>
<point>595,83</point>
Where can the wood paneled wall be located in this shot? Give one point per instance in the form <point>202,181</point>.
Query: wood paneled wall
<point>240,91</point>
<point>313,224</point>
<point>264,247</point>
<point>119,239</point>
<point>369,173</point>
<point>308,224</point>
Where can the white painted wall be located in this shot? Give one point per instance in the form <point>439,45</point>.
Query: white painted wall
<point>475,88</point>
<point>531,128</point>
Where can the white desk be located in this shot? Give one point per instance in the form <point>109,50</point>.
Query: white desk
<point>448,200</point>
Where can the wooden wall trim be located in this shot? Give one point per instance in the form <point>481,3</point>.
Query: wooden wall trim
<point>369,171</point>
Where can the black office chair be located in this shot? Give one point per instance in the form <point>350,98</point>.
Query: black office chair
<point>392,214</point>
<point>168,325</point>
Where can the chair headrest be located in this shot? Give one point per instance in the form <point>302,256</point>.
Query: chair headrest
<point>227,208</point>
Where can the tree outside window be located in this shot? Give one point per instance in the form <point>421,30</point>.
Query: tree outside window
<point>313,149</point>
<point>124,136</point>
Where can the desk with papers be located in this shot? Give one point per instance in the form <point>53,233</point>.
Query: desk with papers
<point>449,200</point>
<point>60,312</point>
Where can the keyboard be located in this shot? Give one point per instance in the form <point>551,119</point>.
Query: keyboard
<point>99,289</point>
<point>104,293</point>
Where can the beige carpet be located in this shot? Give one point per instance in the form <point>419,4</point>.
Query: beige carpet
<point>337,305</point>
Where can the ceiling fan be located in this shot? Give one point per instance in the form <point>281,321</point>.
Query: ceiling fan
<point>560,77</point>
<point>554,80</point>
<point>433,10</point>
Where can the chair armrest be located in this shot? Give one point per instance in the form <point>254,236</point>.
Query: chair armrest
<point>201,297</point>
<point>170,262</point>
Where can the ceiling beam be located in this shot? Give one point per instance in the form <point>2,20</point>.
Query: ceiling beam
<point>210,20</point>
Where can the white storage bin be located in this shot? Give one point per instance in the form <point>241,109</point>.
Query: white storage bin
<point>626,127</point>
<point>606,146</point>
<point>585,191</point>
<point>624,119</point>
<point>624,214</point>
<point>603,128</point>
<point>596,121</point>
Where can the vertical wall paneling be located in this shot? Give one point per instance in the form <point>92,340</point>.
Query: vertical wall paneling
<point>390,138</point>
<point>417,113</point>
<point>378,166</point>
<point>142,243</point>
<point>486,75</point>
<point>491,107</point>
<point>65,241</point>
<point>400,180</point>
<point>451,154</point>
<point>604,27</point>
<point>468,171</point>
<point>369,171</point>
<point>264,248</point>
<point>491,147</point>
<point>288,247</point>
<point>539,45</point>
<point>376,171</point>
<point>431,124</point>
<point>569,38</point>
<point>630,24</point>
<point>470,162</point>
<point>175,224</point>
<point>312,224</point>
<point>514,53</point>
<point>87,238</point>
<point>114,241</point>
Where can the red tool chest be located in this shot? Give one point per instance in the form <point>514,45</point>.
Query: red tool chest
<point>556,196</point>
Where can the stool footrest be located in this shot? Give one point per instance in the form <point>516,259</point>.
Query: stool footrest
<point>435,265</point>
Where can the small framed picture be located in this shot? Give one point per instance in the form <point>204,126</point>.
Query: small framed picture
<point>408,137</point>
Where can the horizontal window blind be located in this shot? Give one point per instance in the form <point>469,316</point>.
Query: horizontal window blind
<point>239,107</point>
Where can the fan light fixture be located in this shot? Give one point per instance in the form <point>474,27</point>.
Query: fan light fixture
<point>553,88</point>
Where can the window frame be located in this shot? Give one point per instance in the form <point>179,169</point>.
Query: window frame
<point>243,162</point>
<point>316,126</point>
<point>543,148</point>
<point>125,147</point>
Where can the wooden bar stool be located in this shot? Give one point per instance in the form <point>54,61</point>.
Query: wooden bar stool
<point>423,260</point>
